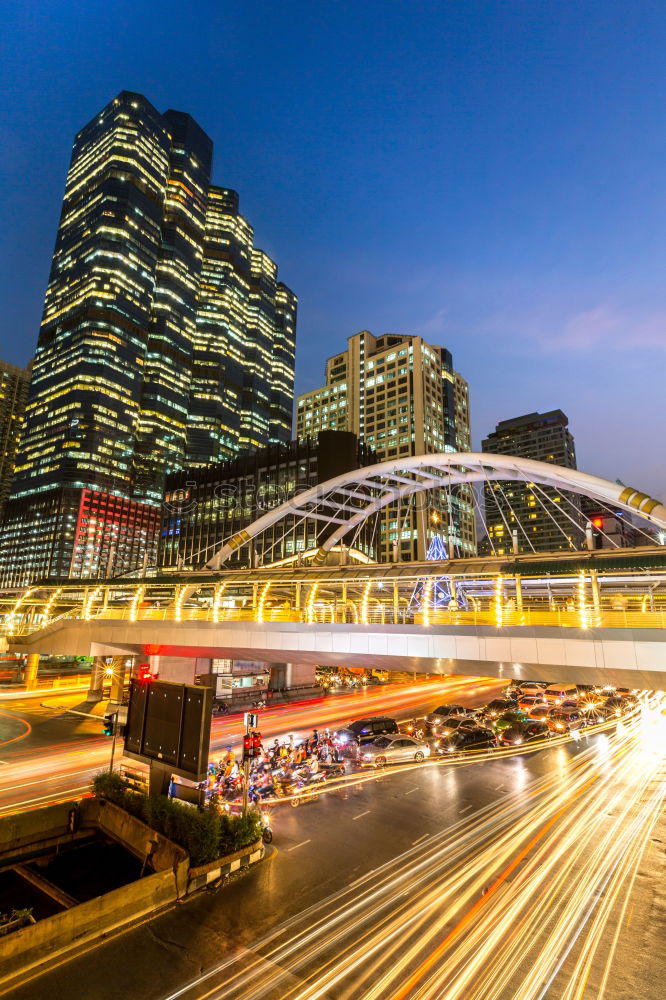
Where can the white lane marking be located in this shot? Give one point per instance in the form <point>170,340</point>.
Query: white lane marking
<point>362,878</point>
<point>361,814</point>
<point>498,787</point>
<point>424,837</point>
<point>302,844</point>
<point>412,790</point>
<point>470,806</point>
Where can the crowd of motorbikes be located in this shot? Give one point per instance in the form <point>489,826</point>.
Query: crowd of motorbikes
<point>284,770</point>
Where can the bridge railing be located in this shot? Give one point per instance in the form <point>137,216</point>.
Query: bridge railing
<point>386,614</point>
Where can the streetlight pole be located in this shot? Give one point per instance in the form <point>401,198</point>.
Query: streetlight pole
<point>113,742</point>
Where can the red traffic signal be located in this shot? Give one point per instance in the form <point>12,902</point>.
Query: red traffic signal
<point>256,746</point>
<point>247,747</point>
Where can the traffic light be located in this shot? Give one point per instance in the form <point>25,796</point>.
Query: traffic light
<point>109,724</point>
<point>256,745</point>
<point>247,748</point>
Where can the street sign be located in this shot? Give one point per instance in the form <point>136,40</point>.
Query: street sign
<point>251,720</point>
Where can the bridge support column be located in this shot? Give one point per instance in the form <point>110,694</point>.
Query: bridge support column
<point>96,679</point>
<point>297,674</point>
<point>519,592</point>
<point>118,680</point>
<point>596,596</point>
<point>31,667</point>
<point>396,603</point>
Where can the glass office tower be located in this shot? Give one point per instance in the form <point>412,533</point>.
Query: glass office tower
<point>127,336</point>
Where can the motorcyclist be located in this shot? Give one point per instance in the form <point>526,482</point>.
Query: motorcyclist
<point>230,765</point>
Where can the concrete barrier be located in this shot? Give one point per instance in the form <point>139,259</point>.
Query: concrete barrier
<point>24,952</point>
<point>204,875</point>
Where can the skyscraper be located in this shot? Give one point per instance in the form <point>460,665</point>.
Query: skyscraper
<point>127,334</point>
<point>402,397</point>
<point>13,394</point>
<point>544,519</point>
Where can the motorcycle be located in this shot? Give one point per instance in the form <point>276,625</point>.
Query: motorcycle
<point>307,786</point>
<point>266,829</point>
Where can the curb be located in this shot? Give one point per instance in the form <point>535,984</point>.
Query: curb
<point>201,878</point>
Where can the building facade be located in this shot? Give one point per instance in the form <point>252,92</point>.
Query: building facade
<point>205,506</point>
<point>162,345</point>
<point>14,384</point>
<point>525,517</point>
<point>402,397</point>
<point>611,529</point>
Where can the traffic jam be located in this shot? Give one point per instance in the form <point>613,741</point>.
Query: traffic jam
<point>297,768</point>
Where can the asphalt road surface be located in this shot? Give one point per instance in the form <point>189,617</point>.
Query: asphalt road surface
<point>537,875</point>
<point>48,755</point>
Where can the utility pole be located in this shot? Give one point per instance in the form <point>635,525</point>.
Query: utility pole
<point>251,721</point>
<point>113,742</point>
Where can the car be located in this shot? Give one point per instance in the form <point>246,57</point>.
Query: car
<point>595,715</point>
<point>618,706</point>
<point>561,720</point>
<point>528,701</point>
<point>394,749</point>
<point>467,740</point>
<point>539,712</point>
<point>512,718</point>
<point>532,687</point>
<point>452,723</point>
<point>364,731</point>
<point>495,708</point>
<point>433,719</point>
<point>525,732</point>
<point>556,694</point>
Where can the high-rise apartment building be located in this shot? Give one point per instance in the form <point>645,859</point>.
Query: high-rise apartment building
<point>205,506</point>
<point>13,394</point>
<point>402,397</point>
<point>163,344</point>
<point>525,516</point>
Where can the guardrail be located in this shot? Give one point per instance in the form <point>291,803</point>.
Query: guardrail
<point>384,614</point>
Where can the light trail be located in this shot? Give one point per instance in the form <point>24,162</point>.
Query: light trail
<point>59,770</point>
<point>524,898</point>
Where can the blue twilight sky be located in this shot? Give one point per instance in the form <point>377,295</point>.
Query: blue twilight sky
<point>491,175</point>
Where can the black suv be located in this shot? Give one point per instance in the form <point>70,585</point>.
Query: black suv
<point>365,730</point>
<point>464,740</point>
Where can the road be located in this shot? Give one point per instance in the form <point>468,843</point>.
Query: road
<point>529,876</point>
<point>47,755</point>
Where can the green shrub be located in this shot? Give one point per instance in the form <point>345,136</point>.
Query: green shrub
<point>206,834</point>
<point>109,785</point>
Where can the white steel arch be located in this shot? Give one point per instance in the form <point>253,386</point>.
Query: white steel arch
<point>349,499</point>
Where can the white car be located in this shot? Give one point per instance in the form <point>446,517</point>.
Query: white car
<point>394,749</point>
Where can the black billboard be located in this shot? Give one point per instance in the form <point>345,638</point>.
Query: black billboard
<point>170,723</point>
